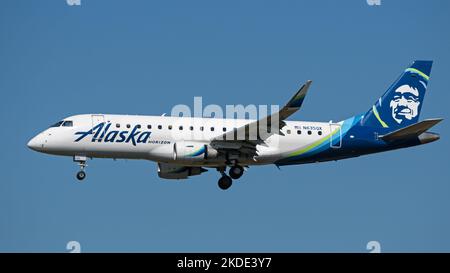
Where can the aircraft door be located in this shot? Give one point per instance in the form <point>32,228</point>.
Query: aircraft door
<point>97,119</point>
<point>336,136</point>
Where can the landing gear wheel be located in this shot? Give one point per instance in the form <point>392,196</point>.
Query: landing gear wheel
<point>236,172</point>
<point>225,182</point>
<point>81,160</point>
<point>81,175</point>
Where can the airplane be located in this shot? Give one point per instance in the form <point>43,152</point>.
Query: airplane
<point>390,123</point>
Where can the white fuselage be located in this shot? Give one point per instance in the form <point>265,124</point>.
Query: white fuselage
<point>155,137</point>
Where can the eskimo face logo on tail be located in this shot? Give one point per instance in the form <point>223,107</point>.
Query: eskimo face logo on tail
<point>101,133</point>
<point>405,103</point>
<point>404,99</point>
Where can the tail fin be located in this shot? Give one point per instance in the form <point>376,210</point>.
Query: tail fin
<point>400,105</point>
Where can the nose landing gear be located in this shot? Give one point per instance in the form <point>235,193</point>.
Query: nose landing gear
<point>82,163</point>
<point>81,175</point>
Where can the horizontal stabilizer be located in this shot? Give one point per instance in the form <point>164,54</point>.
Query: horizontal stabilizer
<point>411,130</point>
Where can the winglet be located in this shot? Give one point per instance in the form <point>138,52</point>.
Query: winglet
<point>297,100</point>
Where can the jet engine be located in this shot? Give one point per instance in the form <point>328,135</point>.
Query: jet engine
<point>193,151</point>
<point>173,171</point>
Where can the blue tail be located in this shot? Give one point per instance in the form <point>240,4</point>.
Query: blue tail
<point>400,105</point>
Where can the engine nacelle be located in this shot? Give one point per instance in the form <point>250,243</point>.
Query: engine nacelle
<point>172,171</point>
<point>193,151</point>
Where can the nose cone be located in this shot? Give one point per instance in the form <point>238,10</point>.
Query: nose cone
<point>35,144</point>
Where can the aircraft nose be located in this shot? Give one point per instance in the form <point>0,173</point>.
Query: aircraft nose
<point>35,143</point>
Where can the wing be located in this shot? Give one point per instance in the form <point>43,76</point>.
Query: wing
<point>250,130</point>
<point>245,138</point>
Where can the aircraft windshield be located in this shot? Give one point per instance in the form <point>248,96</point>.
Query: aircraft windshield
<point>68,123</point>
<point>57,124</point>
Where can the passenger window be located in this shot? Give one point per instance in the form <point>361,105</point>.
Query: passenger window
<point>224,129</point>
<point>68,123</point>
<point>57,124</point>
<point>288,132</point>
<point>299,132</point>
<point>201,128</point>
<point>320,133</point>
<point>191,128</point>
<point>138,126</point>
<point>117,125</point>
<point>309,132</point>
<point>212,129</point>
<point>159,127</point>
<point>170,127</point>
<point>181,128</point>
<point>149,126</point>
<point>128,125</point>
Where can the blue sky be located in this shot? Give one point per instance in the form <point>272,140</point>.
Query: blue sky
<point>143,57</point>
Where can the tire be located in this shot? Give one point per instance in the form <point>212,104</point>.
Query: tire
<point>81,175</point>
<point>236,172</point>
<point>225,182</point>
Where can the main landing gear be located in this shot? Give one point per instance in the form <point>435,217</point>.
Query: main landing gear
<point>226,181</point>
<point>82,163</point>
<point>236,172</point>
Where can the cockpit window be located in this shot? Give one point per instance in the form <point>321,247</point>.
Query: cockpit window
<point>58,124</point>
<point>68,123</point>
